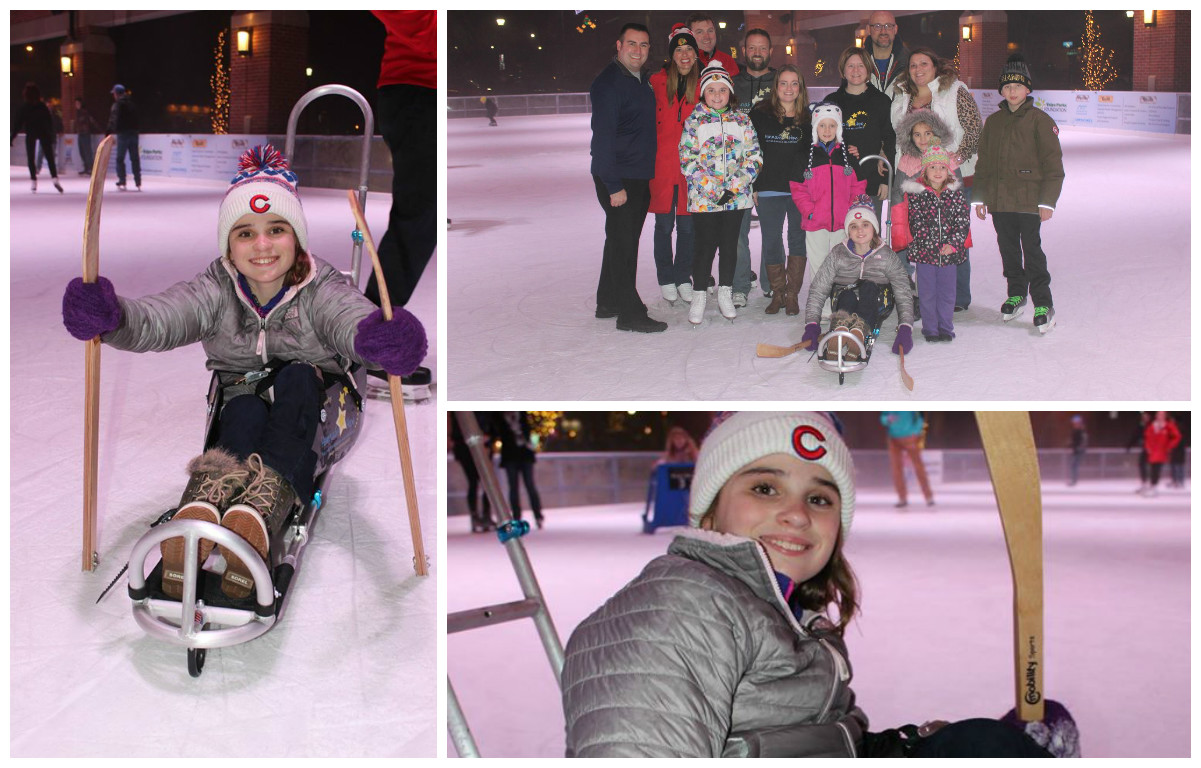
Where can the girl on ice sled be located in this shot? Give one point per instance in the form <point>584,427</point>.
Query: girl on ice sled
<point>272,319</point>
<point>732,642</point>
<point>861,260</point>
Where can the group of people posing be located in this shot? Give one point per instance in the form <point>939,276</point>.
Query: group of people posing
<point>701,142</point>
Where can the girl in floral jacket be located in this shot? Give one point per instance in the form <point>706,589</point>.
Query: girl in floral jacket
<point>720,158</point>
<point>938,221</point>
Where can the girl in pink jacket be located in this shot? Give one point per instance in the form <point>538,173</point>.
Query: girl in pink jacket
<point>829,186</point>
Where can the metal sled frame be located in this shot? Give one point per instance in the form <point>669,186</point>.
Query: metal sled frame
<point>190,622</point>
<point>846,341</point>
<point>533,606</point>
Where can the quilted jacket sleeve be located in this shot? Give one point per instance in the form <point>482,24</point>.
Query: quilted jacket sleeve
<point>181,315</point>
<point>653,673</point>
<point>336,310</point>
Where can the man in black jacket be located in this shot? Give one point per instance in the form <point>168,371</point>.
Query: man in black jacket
<point>623,163</point>
<point>123,121</point>
<point>889,55</point>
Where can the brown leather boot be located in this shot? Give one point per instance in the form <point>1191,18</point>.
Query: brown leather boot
<point>779,282</point>
<point>795,273</point>
<point>839,321</point>
<point>857,326</point>
<point>261,511</point>
<point>217,477</point>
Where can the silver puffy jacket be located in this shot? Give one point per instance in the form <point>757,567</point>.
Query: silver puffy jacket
<point>316,320</point>
<point>700,656</point>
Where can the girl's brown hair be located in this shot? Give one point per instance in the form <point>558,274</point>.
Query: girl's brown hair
<point>674,77</point>
<point>772,103</point>
<point>300,268</point>
<point>944,71</point>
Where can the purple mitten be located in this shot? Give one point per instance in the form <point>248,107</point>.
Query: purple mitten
<point>1056,732</point>
<point>809,339</point>
<point>90,309</point>
<point>397,345</point>
<point>904,340</point>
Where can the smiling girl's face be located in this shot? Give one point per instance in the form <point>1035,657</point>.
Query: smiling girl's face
<point>262,246</point>
<point>790,506</point>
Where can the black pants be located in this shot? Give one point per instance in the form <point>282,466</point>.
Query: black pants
<point>715,231</point>
<point>979,737</point>
<point>526,472</point>
<point>281,432</point>
<point>1156,469</point>
<point>617,288</point>
<point>866,304</point>
<point>1143,464</point>
<point>473,491</point>
<point>127,143</point>
<point>408,122</point>
<point>47,140</point>
<point>1022,257</point>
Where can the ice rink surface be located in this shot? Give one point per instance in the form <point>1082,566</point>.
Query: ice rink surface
<point>524,254</point>
<point>351,668</point>
<point>934,639</point>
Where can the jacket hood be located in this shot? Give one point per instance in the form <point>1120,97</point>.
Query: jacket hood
<point>916,187</point>
<point>905,130</point>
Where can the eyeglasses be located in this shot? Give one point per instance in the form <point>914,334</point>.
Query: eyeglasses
<point>879,27</point>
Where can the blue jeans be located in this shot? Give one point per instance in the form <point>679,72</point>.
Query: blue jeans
<point>742,269</point>
<point>773,210</point>
<point>127,143</point>
<point>673,270</point>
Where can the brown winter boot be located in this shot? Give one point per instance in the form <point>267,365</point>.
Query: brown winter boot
<point>794,275</point>
<point>778,281</point>
<point>216,478</point>
<point>839,321</point>
<point>858,326</point>
<point>260,511</point>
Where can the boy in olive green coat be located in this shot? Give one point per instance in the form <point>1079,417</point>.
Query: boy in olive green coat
<point>1019,175</point>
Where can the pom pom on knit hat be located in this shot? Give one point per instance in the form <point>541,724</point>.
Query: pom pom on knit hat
<point>935,155</point>
<point>714,72</point>
<point>1015,71</point>
<point>748,436</point>
<point>264,183</point>
<point>681,35</point>
<point>862,210</point>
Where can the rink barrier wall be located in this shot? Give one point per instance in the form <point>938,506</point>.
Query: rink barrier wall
<point>1122,110</point>
<point>587,479</point>
<point>321,162</point>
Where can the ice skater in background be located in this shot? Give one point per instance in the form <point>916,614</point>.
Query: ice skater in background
<point>1160,438</point>
<point>517,458</point>
<point>828,188</point>
<point>720,158</point>
<point>1019,175</point>
<point>862,265</point>
<point>938,220</point>
<point>735,636</point>
<point>1079,446</point>
<point>273,321</point>
<point>34,117</point>
<point>905,438</point>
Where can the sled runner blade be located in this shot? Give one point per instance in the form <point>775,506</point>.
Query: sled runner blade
<point>420,562</point>
<point>906,379</point>
<point>1013,464</point>
<point>91,368</point>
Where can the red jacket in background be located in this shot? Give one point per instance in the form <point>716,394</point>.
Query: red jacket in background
<point>669,124</point>
<point>726,60</point>
<point>410,49</point>
<point>1160,442</point>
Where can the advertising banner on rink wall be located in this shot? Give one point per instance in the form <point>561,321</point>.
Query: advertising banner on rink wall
<point>1122,110</point>
<point>183,155</point>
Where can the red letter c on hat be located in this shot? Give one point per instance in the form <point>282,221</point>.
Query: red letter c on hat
<point>260,203</point>
<point>798,436</point>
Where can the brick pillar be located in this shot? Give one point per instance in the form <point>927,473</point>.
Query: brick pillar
<point>94,63</point>
<point>264,86</point>
<point>1161,52</point>
<point>983,57</point>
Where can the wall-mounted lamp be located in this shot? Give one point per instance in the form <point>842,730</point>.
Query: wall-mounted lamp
<point>500,22</point>
<point>1148,18</point>
<point>858,42</point>
<point>966,32</point>
<point>788,50</point>
<point>308,71</point>
<point>65,62</point>
<point>1130,14</point>
<point>721,25</point>
<point>244,42</point>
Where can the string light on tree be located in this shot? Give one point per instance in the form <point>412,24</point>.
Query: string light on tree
<point>1096,61</point>
<point>544,423</point>
<point>219,82</point>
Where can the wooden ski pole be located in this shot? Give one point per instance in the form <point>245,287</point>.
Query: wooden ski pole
<point>91,367</point>
<point>420,565</point>
<point>1013,464</point>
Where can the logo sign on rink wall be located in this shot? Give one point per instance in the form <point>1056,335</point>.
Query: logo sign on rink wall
<point>1123,110</point>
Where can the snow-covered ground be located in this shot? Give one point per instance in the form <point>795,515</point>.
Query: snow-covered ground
<point>351,669</point>
<point>524,254</point>
<point>934,639</point>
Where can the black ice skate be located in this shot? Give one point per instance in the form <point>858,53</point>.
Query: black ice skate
<point>1012,307</point>
<point>1044,318</point>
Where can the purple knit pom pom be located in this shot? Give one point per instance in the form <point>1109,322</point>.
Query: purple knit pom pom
<point>90,309</point>
<point>1056,732</point>
<point>398,345</point>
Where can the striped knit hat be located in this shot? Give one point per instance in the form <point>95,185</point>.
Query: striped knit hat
<point>1015,71</point>
<point>714,72</point>
<point>748,436</point>
<point>681,35</point>
<point>862,209</point>
<point>936,155</point>
<point>264,183</point>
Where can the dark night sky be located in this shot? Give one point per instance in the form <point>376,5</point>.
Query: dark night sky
<point>569,60</point>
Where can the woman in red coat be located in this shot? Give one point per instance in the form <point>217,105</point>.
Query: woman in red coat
<point>1160,437</point>
<point>675,98</point>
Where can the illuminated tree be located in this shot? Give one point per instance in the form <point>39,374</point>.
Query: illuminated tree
<point>219,82</point>
<point>1096,61</point>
